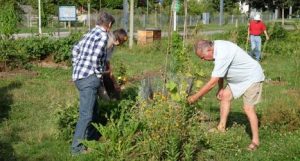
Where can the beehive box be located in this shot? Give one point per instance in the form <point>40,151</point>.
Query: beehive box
<point>148,35</point>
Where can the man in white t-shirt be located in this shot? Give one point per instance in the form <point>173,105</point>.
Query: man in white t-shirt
<point>243,74</point>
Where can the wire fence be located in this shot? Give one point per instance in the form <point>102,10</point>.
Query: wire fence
<point>158,21</point>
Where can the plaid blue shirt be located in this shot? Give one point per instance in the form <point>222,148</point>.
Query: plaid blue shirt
<point>89,54</point>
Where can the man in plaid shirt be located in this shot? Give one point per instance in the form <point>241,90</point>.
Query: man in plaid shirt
<point>88,59</point>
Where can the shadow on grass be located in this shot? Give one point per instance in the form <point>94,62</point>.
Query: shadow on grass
<point>240,118</point>
<point>7,151</point>
<point>6,100</point>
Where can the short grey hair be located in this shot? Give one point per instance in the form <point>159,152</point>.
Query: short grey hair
<point>203,44</point>
<point>105,19</point>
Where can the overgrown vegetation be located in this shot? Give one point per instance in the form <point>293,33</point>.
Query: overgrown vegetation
<point>38,113</point>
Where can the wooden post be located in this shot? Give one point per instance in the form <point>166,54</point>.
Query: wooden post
<point>282,15</point>
<point>131,24</point>
<point>185,22</point>
<point>221,12</point>
<point>40,19</point>
<point>290,12</point>
<point>89,15</point>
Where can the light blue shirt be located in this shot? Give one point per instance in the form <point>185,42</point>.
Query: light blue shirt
<point>234,65</point>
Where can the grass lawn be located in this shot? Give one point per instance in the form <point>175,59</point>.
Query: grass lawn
<point>29,102</point>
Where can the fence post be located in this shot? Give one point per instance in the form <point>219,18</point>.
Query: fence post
<point>155,18</point>
<point>221,12</point>
<point>290,12</point>
<point>131,24</point>
<point>40,19</point>
<point>144,20</point>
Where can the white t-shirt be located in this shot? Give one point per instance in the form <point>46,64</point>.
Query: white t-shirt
<point>236,66</point>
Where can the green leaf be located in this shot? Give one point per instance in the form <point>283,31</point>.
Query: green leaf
<point>172,86</point>
<point>175,97</point>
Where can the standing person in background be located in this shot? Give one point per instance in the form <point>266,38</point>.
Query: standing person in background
<point>244,76</point>
<point>255,29</point>
<point>88,61</point>
<point>116,38</point>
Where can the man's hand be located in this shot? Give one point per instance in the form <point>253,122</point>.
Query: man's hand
<point>192,99</point>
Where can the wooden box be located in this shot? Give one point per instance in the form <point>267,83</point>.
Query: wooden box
<point>148,35</point>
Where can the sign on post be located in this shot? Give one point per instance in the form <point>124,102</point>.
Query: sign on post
<point>67,13</point>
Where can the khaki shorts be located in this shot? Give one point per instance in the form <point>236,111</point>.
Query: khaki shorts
<point>252,96</point>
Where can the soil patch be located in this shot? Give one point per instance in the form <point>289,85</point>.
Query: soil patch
<point>49,62</point>
<point>18,72</point>
<point>150,74</point>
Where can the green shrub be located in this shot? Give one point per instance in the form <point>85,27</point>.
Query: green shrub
<point>12,54</point>
<point>37,48</point>
<point>179,56</point>
<point>67,119</point>
<point>276,31</point>
<point>63,47</point>
<point>118,136</point>
<point>157,130</point>
<point>18,53</point>
<point>9,19</point>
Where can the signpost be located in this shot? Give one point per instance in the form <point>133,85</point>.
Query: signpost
<point>66,14</point>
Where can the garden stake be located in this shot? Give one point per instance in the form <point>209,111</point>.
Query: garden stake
<point>190,86</point>
<point>263,49</point>
<point>247,44</point>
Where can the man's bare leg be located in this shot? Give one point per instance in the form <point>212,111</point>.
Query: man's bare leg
<point>252,117</point>
<point>225,104</point>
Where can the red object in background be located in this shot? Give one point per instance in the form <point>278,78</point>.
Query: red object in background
<point>256,27</point>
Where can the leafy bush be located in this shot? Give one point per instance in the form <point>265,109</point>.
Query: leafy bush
<point>12,54</point>
<point>63,47</point>
<point>67,119</point>
<point>155,131</point>
<point>284,45</point>
<point>67,114</point>
<point>8,19</point>
<point>37,48</point>
<point>179,56</point>
<point>18,53</point>
<point>276,31</point>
